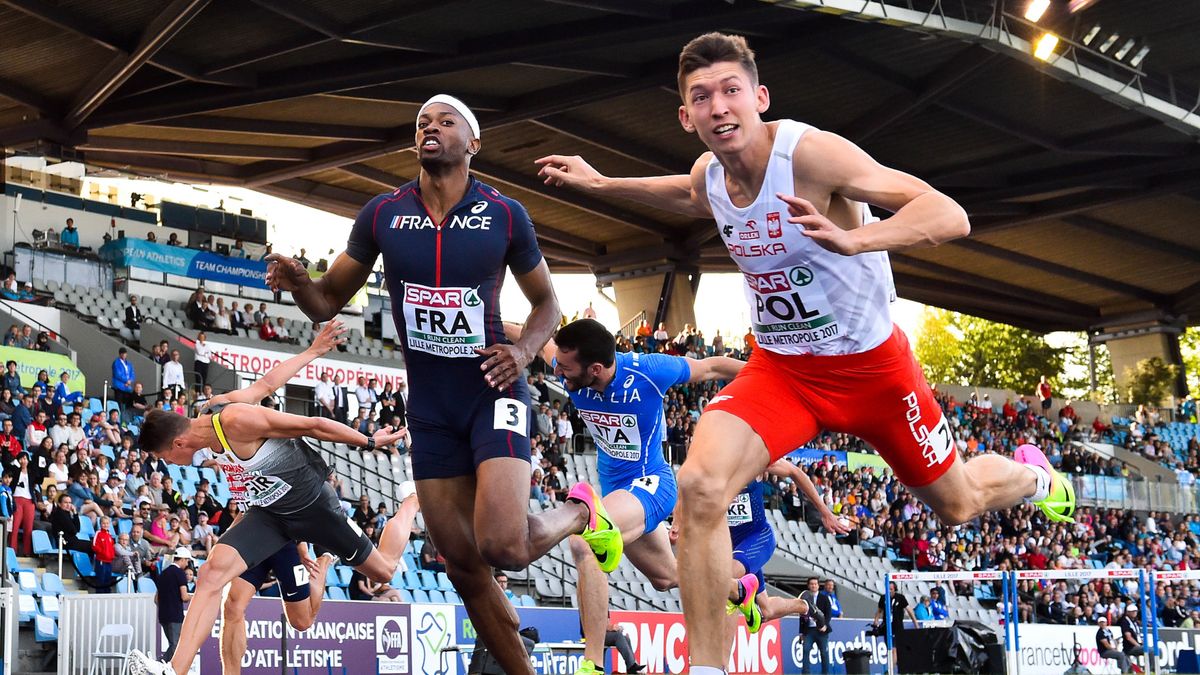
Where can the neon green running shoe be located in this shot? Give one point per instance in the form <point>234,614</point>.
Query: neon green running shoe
<point>586,667</point>
<point>1059,505</point>
<point>748,607</point>
<point>600,532</point>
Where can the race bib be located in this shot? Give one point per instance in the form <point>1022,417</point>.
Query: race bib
<point>790,307</point>
<point>739,510</point>
<point>511,415</point>
<point>250,488</point>
<point>443,321</point>
<point>300,573</point>
<point>647,483</point>
<point>616,434</point>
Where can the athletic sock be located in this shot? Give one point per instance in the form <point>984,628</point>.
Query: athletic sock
<point>706,670</point>
<point>1043,483</point>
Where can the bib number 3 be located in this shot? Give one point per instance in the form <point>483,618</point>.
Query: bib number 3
<point>511,415</point>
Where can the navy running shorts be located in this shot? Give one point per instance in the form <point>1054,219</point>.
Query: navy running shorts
<point>495,424</point>
<point>292,575</point>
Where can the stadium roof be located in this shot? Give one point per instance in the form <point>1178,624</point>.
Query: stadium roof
<point>1082,177</point>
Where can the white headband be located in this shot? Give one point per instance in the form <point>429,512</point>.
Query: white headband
<point>460,107</point>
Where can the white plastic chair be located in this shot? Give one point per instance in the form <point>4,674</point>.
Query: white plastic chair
<point>120,635</point>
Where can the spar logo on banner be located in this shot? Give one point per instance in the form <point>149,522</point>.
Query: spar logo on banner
<point>391,643</point>
<point>660,642</point>
<point>433,629</point>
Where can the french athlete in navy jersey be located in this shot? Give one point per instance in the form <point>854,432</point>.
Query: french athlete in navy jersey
<point>446,240</point>
<point>620,398</point>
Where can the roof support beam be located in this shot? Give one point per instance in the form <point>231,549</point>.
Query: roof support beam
<point>28,97</point>
<point>1098,174</point>
<point>922,289</point>
<point>630,7</point>
<point>512,47</point>
<point>171,165</point>
<point>629,149</point>
<point>166,147</point>
<point>565,255</point>
<point>241,125</point>
<point>994,287</point>
<point>1134,238</point>
<point>61,18</point>
<point>399,93</point>
<point>544,102</point>
<point>583,202</point>
<point>1130,290</point>
<point>951,75</point>
<point>161,29</point>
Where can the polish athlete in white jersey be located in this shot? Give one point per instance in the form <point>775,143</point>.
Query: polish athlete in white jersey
<point>820,294</point>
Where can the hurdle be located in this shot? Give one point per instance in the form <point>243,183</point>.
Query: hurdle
<point>1155,577</point>
<point>978,575</point>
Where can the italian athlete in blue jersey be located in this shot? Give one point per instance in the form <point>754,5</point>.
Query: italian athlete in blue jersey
<point>446,240</point>
<point>620,399</point>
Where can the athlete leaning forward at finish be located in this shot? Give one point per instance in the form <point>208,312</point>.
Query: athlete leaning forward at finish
<point>284,482</point>
<point>819,286</point>
<point>446,240</point>
<point>620,398</point>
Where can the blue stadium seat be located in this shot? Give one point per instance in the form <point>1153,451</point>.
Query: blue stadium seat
<point>45,629</point>
<point>417,545</point>
<point>41,545</point>
<point>420,595</point>
<point>428,580</point>
<point>437,597</point>
<point>50,606</point>
<point>527,601</point>
<point>95,405</point>
<point>86,529</point>
<point>124,525</point>
<point>176,473</point>
<point>52,585</point>
<point>145,586</point>
<point>406,596</point>
<point>443,582</point>
<point>412,581</point>
<point>331,578</point>
<point>398,579</point>
<point>452,598</point>
<point>190,473</point>
<point>112,405</point>
<point>26,608</point>
<point>344,574</point>
<point>107,451</point>
<point>207,472</point>
<point>11,557</point>
<point>410,561</point>
<point>28,584</point>
<point>83,564</point>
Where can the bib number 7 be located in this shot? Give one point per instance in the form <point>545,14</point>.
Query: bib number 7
<point>511,415</point>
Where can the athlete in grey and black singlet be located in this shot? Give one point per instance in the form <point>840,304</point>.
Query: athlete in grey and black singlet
<point>284,475</point>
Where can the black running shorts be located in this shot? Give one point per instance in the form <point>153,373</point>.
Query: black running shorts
<point>291,573</point>
<point>322,523</point>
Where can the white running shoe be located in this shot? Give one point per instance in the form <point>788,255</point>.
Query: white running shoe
<point>140,663</point>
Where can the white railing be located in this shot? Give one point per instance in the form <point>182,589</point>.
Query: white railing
<point>81,618</point>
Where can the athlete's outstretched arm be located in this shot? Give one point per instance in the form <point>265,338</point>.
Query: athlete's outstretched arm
<point>714,368</point>
<point>245,423</point>
<point>922,215</point>
<point>505,362</point>
<point>323,298</point>
<point>328,339</point>
<point>786,469</point>
<point>677,193</point>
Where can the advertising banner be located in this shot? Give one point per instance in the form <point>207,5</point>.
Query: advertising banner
<point>854,460</point>
<point>259,361</point>
<point>844,634</point>
<point>1050,650</point>
<point>30,363</point>
<point>660,643</point>
<point>810,456</point>
<point>347,637</point>
<point>185,262</point>
<point>553,625</point>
